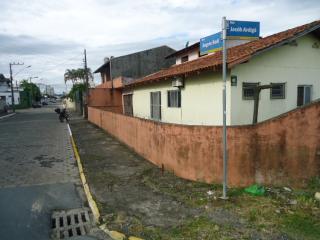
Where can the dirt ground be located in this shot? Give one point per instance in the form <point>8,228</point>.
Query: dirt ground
<point>137,198</point>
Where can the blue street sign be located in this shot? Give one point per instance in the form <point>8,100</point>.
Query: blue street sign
<point>211,43</point>
<point>243,30</point>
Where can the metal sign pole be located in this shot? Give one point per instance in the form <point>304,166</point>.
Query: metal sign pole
<point>224,76</point>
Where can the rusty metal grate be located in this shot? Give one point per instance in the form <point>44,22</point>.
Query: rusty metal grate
<point>70,223</point>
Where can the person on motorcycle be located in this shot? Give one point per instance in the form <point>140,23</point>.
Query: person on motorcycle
<point>63,114</point>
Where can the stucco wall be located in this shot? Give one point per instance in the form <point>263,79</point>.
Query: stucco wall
<point>8,95</point>
<point>201,101</point>
<point>106,98</point>
<point>293,65</point>
<point>285,150</point>
<point>192,55</point>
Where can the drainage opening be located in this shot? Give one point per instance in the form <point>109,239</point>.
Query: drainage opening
<point>69,223</point>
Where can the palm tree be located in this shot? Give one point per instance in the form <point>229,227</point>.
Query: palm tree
<point>77,75</point>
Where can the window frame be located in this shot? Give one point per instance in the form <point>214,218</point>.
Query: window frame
<point>184,58</point>
<point>283,96</point>
<point>154,105</point>
<point>125,107</point>
<point>304,94</point>
<point>178,100</point>
<point>243,88</point>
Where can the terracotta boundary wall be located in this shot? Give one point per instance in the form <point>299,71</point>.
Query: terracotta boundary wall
<point>281,151</point>
<point>106,98</point>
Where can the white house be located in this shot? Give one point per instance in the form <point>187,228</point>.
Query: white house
<point>190,92</point>
<point>5,92</point>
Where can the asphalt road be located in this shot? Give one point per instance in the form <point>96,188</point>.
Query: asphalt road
<point>38,174</point>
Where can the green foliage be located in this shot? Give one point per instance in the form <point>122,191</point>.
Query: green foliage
<point>32,89</point>
<point>77,75</point>
<point>78,87</point>
<point>314,183</point>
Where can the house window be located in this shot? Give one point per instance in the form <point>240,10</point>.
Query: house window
<point>248,90</point>
<point>304,95</point>
<point>127,104</point>
<point>174,98</point>
<point>185,59</point>
<point>277,91</point>
<point>155,105</point>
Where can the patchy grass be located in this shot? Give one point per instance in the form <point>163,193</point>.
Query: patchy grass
<point>300,226</point>
<point>200,228</point>
<point>194,194</point>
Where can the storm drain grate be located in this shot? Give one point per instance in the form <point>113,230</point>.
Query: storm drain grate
<point>70,223</point>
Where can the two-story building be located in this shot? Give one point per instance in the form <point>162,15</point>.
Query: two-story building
<point>5,91</point>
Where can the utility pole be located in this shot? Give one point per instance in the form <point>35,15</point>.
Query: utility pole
<point>256,96</point>
<point>111,74</point>
<point>87,84</point>
<point>11,83</point>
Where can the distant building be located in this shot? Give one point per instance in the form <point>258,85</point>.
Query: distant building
<point>136,65</point>
<point>45,89</point>
<point>49,90</point>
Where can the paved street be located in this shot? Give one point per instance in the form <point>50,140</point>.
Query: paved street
<point>38,173</point>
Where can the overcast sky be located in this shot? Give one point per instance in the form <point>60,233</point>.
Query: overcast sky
<point>51,35</point>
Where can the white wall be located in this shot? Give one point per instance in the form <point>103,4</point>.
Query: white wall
<point>201,101</point>
<point>193,54</point>
<point>7,95</point>
<point>293,65</point>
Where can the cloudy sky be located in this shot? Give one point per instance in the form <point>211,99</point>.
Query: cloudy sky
<point>51,35</point>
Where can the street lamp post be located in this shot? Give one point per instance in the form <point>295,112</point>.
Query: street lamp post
<point>31,90</point>
<point>11,81</point>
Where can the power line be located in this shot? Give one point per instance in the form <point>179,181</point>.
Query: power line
<point>59,64</point>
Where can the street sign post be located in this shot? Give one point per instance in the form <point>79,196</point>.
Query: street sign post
<point>224,100</point>
<point>231,30</point>
<point>211,43</point>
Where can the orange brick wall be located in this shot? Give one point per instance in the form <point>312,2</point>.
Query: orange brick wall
<point>284,150</point>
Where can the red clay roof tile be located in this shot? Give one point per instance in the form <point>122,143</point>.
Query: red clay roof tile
<point>236,55</point>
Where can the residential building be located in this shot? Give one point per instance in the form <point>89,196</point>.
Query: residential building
<point>134,65</point>
<point>190,91</point>
<point>124,70</point>
<point>5,91</point>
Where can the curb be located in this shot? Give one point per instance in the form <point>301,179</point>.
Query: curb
<point>6,116</point>
<point>92,203</point>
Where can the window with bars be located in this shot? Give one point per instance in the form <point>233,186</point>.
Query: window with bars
<point>248,90</point>
<point>174,98</point>
<point>277,91</point>
<point>127,104</point>
<point>155,105</point>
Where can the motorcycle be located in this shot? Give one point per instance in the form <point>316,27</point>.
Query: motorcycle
<point>63,114</point>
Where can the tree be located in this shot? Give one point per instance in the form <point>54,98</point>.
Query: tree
<point>32,89</point>
<point>77,87</point>
<point>77,75</point>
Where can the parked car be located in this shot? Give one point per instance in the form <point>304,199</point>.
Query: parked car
<point>44,103</point>
<point>36,105</point>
